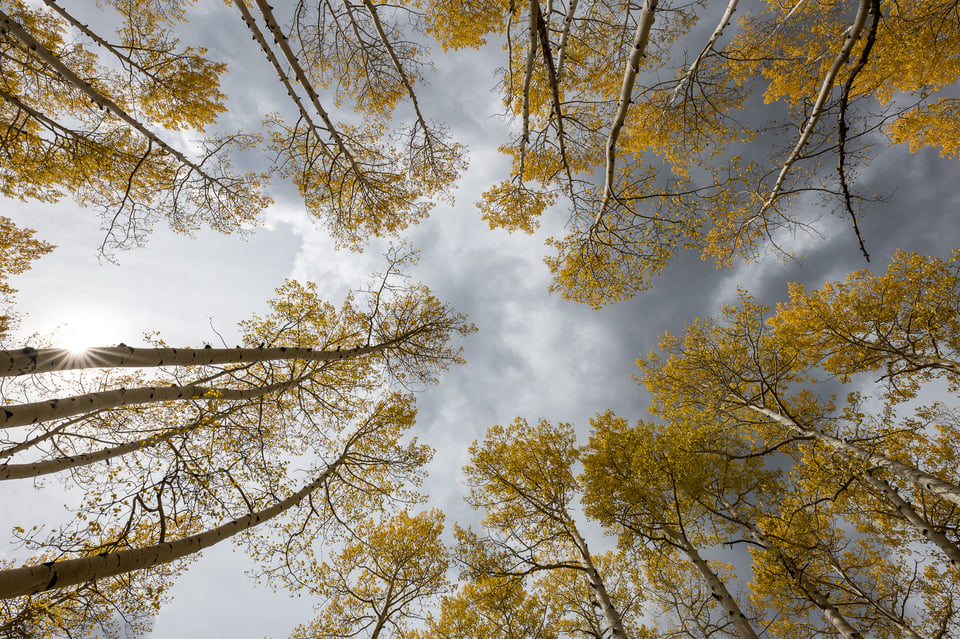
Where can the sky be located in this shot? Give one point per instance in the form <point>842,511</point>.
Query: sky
<point>535,355</point>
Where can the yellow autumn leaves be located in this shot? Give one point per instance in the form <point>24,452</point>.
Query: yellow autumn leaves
<point>696,166</point>
<point>847,502</point>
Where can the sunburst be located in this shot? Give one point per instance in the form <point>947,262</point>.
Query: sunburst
<point>85,331</point>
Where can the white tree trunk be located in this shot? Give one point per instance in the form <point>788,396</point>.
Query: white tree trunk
<point>99,99</point>
<point>564,36</point>
<point>920,479</point>
<point>640,39</point>
<point>281,74</point>
<point>809,589</point>
<point>46,467</point>
<point>372,10</point>
<point>914,518</point>
<point>29,580</point>
<point>31,360</point>
<point>34,413</point>
<point>850,37</point>
<point>267,12</point>
<point>695,65</point>
<point>717,587</point>
<point>610,614</point>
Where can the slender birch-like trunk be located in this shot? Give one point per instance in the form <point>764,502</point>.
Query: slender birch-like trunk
<point>554,80</point>
<point>717,587</point>
<point>610,614</point>
<point>46,467</point>
<point>29,580</point>
<point>267,12</point>
<point>695,65</point>
<point>527,79</point>
<point>45,360</point>
<point>564,36</point>
<point>15,29</point>
<point>638,50</point>
<point>921,525</point>
<point>85,30</point>
<point>850,37</point>
<point>920,479</point>
<point>408,85</point>
<point>809,589</point>
<point>37,412</point>
<point>894,617</point>
<point>281,74</point>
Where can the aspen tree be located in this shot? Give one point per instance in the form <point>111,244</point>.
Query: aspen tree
<point>353,177</point>
<point>92,119</point>
<point>522,479</point>
<point>739,367</point>
<point>114,608</point>
<point>494,607</point>
<point>886,474</point>
<point>380,582</point>
<point>63,573</point>
<point>652,151</point>
<point>367,469</point>
<point>648,495</point>
<point>164,478</point>
<point>334,357</point>
<point>74,126</point>
<point>904,323</point>
<point>575,607</point>
<point>683,603</point>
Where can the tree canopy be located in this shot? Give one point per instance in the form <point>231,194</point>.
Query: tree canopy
<point>798,473</point>
<point>653,152</point>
